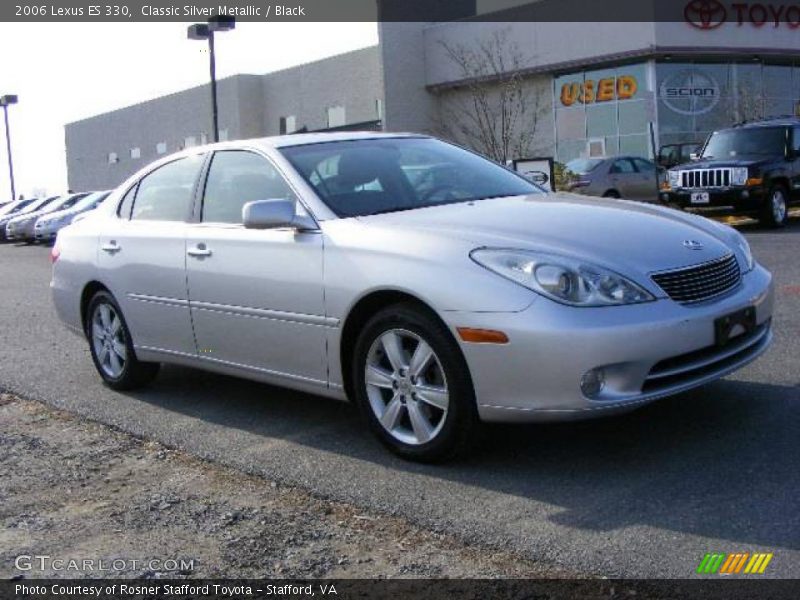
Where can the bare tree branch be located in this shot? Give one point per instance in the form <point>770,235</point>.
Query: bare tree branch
<point>494,111</point>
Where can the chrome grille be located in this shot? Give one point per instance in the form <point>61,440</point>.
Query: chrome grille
<point>706,178</point>
<point>700,282</point>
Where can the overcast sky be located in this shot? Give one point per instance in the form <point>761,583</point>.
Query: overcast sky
<point>66,72</point>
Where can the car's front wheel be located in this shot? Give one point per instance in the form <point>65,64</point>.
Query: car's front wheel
<point>413,386</point>
<point>111,347</point>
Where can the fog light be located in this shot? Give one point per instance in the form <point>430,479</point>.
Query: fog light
<point>745,194</point>
<point>593,382</point>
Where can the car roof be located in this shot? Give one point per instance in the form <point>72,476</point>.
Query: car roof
<point>301,139</point>
<point>775,122</point>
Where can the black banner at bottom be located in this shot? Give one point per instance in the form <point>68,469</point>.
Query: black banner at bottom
<point>401,589</point>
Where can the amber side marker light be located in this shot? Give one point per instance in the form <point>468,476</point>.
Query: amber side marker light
<point>482,336</point>
<point>754,181</point>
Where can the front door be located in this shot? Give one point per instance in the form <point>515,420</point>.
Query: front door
<point>142,257</point>
<point>256,295</point>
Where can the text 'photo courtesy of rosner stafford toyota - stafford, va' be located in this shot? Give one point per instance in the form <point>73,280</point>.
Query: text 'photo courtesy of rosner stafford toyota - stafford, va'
<point>369,299</point>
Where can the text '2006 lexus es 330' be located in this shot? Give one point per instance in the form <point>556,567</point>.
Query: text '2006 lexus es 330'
<point>433,287</point>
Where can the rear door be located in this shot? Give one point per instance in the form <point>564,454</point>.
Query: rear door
<point>646,183</point>
<point>624,178</point>
<point>142,256</point>
<point>256,296</point>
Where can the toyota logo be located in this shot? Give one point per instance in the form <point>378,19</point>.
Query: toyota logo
<point>692,245</point>
<point>705,14</point>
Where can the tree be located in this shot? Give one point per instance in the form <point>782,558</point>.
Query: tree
<point>495,110</point>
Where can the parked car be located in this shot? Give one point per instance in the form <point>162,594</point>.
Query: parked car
<point>29,206</point>
<point>751,169</point>
<point>629,177</point>
<point>312,261</point>
<point>14,206</point>
<point>48,225</point>
<point>672,155</point>
<point>22,227</point>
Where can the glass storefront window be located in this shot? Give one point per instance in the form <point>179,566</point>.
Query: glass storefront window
<point>697,98</point>
<point>594,108</point>
<point>601,120</point>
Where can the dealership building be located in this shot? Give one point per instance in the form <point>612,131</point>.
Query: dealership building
<point>597,88</point>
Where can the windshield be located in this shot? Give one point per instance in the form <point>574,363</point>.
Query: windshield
<point>37,204</point>
<point>92,199</point>
<point>13,206</point>
<point>371,176</point>
<point>583,165</point>
<point>768,141</point>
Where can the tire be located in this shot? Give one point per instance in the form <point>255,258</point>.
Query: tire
<point>429,408</point>
<point>775,210</point>
<point>111,348</point>
<point>612,194</point>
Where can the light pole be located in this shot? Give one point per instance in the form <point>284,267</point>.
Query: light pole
<point>205,31</point>
<point>5,102</point>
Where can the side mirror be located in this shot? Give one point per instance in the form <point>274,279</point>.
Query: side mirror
<point>694,156</point>
<point>275,214</point>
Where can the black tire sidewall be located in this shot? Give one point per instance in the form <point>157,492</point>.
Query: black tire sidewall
<point>125,380</point>
<point>461,418</point>
<point>768,215</point>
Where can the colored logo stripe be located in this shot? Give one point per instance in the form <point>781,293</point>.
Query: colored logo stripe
<point>729,564</point>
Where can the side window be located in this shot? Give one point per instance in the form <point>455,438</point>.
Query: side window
<point>124,210</point>
<point>643,166</point>
<point>622,166</point>
<point>166,193</point>
<point>235,178</point>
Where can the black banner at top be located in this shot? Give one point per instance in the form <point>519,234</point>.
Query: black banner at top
<point>704,14</point>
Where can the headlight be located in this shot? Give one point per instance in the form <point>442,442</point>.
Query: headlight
<point>562,279</point>
<point>750,262</point>
<point>738,175</point>
<point>674,179</point>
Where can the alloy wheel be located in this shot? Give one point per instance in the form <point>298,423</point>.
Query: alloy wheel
<point>108,340</point>
<point>406,386</point>
<point>778,206</point>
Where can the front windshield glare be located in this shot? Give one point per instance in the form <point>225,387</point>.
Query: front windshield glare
<point>371,176</point>
<point>767,141</point>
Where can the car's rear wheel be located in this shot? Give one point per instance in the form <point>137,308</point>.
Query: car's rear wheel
<point>110,344</point>
<point>611,194</point>
<point>412,385</point>
<point>775,209</point>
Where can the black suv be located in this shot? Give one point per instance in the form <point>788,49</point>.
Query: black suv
<point>750,169</point>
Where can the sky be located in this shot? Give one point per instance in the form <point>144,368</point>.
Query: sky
<point>64,73</point>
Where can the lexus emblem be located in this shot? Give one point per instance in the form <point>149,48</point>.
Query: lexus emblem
<point>692,245</point>
<point>705,14</point>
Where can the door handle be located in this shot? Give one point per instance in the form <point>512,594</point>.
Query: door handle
<point>199,251</point>
<point>111,247</point>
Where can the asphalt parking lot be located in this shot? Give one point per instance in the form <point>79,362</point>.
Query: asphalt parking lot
<point>646,494</point>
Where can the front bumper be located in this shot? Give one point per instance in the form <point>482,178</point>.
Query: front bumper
<point>648,351</point>
<point>45,234</point>
<point>20,231</point>
<point>733,200</point>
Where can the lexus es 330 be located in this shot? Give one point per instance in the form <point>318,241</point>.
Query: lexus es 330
<point>432,287</point>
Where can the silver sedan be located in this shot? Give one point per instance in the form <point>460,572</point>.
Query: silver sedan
<point>430,286</point>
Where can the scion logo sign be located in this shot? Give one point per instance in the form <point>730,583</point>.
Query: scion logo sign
<point>710,14</point>
<point>690,92</point>
<point>705,14</point>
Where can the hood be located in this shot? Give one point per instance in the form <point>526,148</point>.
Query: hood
<point>628,237</point>
<point>57,214</point>
<point>715,163</point>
